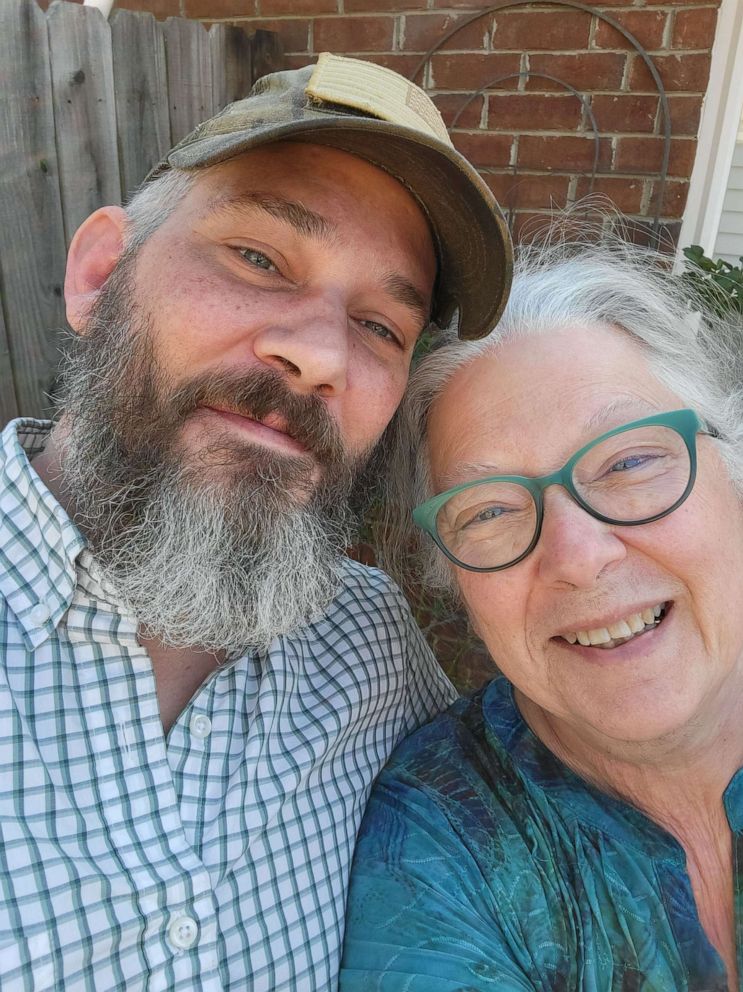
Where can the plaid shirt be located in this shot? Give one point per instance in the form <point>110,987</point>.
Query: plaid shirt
<point>216,857</point>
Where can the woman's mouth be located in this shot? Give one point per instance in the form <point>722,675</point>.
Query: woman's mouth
<point>626,629</point>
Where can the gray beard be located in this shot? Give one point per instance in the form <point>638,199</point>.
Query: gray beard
<point>222,550</point>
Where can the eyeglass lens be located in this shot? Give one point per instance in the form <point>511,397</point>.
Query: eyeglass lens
<point>630,477</point>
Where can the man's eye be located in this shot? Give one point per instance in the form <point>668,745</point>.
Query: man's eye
<point>379,329</point>
<point>258,259</point>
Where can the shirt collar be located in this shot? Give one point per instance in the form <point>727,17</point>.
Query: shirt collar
<point>39,544</point>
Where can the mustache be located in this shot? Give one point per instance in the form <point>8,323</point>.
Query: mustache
<point>258,393</point>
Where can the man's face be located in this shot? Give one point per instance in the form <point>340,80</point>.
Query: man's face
<point>297,259</point>
<point>230,380</point>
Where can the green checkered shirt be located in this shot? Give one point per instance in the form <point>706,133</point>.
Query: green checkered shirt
<point>216,857</point>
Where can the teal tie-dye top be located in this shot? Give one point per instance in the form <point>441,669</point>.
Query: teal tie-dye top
<point>485,864</point>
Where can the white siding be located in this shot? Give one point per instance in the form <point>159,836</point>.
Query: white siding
<point>729,242</point>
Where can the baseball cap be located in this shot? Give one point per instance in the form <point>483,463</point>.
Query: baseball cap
<point>372,112</point>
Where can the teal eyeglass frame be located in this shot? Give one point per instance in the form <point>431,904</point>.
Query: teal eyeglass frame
<point>686,423</point>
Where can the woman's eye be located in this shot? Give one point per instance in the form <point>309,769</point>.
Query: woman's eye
<point>627,462</point>
<point>485,515</point>
<point>257,259</point>
<point>631,461</point>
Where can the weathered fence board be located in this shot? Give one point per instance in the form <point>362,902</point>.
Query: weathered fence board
<point>86,110</point>
<point>8,402</point>
<point>83,94</point>
<point>32,246</point>
<point>189,75</point>
<point>141,94</point>
<point>232,64</point>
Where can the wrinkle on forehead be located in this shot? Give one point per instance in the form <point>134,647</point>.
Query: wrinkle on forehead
<point>623,409</point>
<point>306,222</point>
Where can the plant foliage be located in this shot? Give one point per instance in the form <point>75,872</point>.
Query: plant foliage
<point>718,283</point>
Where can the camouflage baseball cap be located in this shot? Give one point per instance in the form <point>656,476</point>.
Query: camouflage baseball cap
<point>373,112</point>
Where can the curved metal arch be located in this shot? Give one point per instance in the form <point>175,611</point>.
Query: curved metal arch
<point>608,19</point>
<point>543,75</point>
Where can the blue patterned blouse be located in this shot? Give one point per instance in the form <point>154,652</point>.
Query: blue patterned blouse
<point>485,865</point>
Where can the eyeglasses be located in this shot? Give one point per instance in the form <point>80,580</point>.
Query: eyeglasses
<point>629,476</point>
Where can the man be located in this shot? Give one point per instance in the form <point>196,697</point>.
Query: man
<point>198,688</point>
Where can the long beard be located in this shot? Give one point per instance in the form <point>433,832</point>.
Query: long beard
<point>224,545</point>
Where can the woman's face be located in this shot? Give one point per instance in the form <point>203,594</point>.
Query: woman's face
<point>524,410</point>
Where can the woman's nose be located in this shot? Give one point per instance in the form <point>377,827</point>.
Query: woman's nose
<point>574,547</point>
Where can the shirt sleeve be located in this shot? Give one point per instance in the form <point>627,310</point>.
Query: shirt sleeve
<point>420,916</point>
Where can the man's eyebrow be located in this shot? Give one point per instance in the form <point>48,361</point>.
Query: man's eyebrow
<point>404,292</point>
<point>303,220</point>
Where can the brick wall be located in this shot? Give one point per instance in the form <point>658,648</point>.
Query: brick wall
<point>533,128</point>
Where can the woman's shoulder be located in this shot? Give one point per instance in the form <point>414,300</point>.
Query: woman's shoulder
<point>460,769</point>
<point>473,735</point>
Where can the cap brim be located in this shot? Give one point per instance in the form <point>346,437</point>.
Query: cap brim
<point>470,231</point>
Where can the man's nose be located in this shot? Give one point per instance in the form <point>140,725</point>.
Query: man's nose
<point>309,341</point>
<point>574,547</point>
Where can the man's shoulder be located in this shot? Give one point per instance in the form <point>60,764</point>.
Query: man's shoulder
<point>370,594</point>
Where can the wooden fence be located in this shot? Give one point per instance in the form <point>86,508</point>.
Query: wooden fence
<point>87,107</point>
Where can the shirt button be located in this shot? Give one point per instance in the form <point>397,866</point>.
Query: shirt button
<point>182,932</point>
<point>201,726</point>
<point>40,613</point>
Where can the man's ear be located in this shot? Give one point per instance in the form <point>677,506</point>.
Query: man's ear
<point>95,249</point>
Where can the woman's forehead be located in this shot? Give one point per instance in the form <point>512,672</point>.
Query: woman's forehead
<point>545,394</point>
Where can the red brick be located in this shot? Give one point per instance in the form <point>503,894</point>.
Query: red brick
<point>470,72</point>
<point>295,61</point>
<point>674,198</point>
<point>526,226</point>
<point>533,112</point>
<point>467,4</point>
<point>640,232</point>
<point>500,184</point>
<point>561,154</point>
<point>451,103</point>
<point>160,8</point>
<point>550,30</point>
<point>586,72</point>
<point>678,72</point>
<point>694,28</point>
<point>354,34</point>
<point>483,148</point>
<point>218,8</point>
<point>645,156</point>
<point>532,192</point>
<point>423,31</point>
<point>625,194</point>
<point>382,6</point>
<point>685,113</point>
<point>624,112</point>
<point>293,31</point>
<point>646,25</point>
<point>312,8</point>
<point>679,3</point>
<point>404,64</point>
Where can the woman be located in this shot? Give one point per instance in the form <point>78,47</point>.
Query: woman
<point>578,823</point>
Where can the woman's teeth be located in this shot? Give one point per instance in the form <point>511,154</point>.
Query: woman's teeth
<point>619,632</point>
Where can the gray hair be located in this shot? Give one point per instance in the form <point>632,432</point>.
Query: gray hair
<point>153,202</point>
<point>691,350</point>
